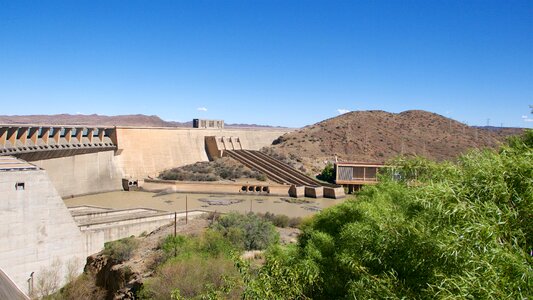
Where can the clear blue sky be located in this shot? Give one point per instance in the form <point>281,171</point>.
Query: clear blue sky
<point>289,63</point>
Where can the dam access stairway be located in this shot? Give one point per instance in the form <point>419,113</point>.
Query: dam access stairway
<point>275,170</point>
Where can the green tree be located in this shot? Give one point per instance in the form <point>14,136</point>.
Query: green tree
<point>328,174</point>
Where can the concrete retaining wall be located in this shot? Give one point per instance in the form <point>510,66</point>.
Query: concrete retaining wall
<point>37,232</point>
<point>214,187</point>
<point>334,192</point>
<point>98,234</point>
<point>83,174</point>
<point>9,290</point>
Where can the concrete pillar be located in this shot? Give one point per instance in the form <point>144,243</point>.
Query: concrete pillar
<point>90,132</point>
<point>223,139</point>
<point>32,135</point>
<point>3,136</point>
<point>79,134</point>
<point>12,135</point>
<point>101,135</point>
<point>112,132</point>
<point>22,135</point>
<point>57,133</point>
<point>45,134</point>
<point>68,134</point>
<point>239,146</point>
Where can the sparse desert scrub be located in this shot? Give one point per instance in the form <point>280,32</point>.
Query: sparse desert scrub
<point>82,287</point>
<point>192,278</point>
<point>122,249</point>
<point>224,168</point>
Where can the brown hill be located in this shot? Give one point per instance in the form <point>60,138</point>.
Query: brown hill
<point>376,136</point>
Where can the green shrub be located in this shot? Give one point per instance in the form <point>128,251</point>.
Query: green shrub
<point>215,244</point>
<point>122,249</point>
<point>328,174</point>
<point>83,287</point>
<point>276,220</point>
<point>248,232</point>
<point>294,222</point>
<point>261,177</point>
<point>196,277</point>
<point>197,267</point>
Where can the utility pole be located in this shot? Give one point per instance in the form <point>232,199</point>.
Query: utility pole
<point>186,209</point>
<point>175,225</point>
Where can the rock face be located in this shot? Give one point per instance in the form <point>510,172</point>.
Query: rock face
<point>117,279</point>
<point>377,136</point>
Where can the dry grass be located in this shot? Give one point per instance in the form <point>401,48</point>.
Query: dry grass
<point>192,277</point>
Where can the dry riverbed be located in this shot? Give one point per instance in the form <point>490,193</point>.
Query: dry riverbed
<point>290,207</point>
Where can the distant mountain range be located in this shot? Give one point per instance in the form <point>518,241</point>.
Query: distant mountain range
<point>94,119</point>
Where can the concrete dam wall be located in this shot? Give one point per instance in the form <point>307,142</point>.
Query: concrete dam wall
<point>37,232</point>
<point>83,174</point>
<point>144,152</point>
<point>127,152</point>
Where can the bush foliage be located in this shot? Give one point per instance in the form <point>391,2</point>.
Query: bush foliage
<point>428,230</point>
<point>203,267</point>
<point>328,174</point>
<point>246,232</point>
<point>122,249</point>
<point>281,220</point>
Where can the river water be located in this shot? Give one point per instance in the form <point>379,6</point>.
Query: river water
<point>176,202</point>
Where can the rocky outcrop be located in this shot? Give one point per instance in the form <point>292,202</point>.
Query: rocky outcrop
<point>116,278</point>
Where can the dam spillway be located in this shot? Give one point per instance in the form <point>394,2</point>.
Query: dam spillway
<point>38,142</point>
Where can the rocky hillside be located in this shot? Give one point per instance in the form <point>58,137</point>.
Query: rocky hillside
<point>376,136</point>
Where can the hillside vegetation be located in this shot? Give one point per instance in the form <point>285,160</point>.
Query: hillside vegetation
<point>443,231</point>
<point>224,168</point>
<point>377,136</point>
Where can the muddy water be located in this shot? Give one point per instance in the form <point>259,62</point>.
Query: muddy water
<point>209,202</point>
